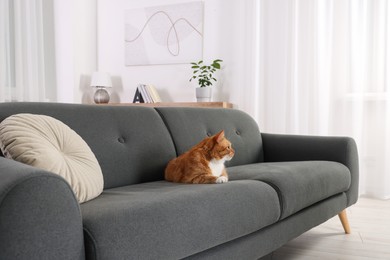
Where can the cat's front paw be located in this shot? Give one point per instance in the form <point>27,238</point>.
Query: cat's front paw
<point>221,179</point>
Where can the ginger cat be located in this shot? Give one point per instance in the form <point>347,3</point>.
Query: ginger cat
<point>204,163</point>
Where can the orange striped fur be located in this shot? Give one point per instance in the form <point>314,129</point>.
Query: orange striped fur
<point>204,163</point>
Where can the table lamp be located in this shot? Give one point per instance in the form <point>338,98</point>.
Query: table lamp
<point>101,80</point>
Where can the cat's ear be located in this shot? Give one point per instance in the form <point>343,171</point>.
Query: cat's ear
<point>220,136</point>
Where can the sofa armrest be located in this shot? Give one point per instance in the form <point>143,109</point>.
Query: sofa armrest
<point>278,147</point>
<point>39,215</point>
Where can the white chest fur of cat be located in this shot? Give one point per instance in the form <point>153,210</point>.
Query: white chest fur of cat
<point>216,167</point>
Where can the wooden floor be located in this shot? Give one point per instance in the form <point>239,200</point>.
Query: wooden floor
<point>369,239</point>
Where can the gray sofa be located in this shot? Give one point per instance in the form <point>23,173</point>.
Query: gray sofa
<point>280,186</point>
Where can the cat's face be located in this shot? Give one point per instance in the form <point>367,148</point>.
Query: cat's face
<point>222,148</point>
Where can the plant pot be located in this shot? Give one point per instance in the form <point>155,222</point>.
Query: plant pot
<point>203,94</point>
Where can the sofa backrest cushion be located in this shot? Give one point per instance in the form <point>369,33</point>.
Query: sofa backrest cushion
<point>131,144</point>
<point>188,126</point>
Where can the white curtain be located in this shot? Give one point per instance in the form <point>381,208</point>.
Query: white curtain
<point>324,69</point>
<point>23,46</point>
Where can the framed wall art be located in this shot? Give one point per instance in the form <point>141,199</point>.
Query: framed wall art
<point>165,34</point>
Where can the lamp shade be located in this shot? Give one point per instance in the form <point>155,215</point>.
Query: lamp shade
<point>101,79</point>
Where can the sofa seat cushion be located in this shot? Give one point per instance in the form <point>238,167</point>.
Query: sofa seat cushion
<point>163,220</point>
<point>299,184</point>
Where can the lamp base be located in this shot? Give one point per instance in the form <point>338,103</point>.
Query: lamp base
<point>101,96</point>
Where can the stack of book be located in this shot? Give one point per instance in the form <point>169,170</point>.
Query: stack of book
<point>146,94</point>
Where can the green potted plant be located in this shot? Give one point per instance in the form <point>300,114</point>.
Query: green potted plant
<point>205,76</point>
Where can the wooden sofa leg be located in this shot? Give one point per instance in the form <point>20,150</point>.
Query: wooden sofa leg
<point>344,221</point>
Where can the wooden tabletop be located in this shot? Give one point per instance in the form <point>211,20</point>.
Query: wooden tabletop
<point>178,104</point>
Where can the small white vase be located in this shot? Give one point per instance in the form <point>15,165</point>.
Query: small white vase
<point>203,94</point>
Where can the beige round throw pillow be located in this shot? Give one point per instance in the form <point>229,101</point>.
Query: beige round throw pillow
<point>49,144</point>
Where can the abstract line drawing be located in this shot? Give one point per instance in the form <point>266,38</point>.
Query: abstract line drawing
<point>173,27</point>
<point>164,34</point>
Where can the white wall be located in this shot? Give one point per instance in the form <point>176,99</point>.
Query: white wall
<point>75,49</point>
<point>227,35</point>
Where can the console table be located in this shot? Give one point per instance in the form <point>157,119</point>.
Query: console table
<point>178,104</point>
